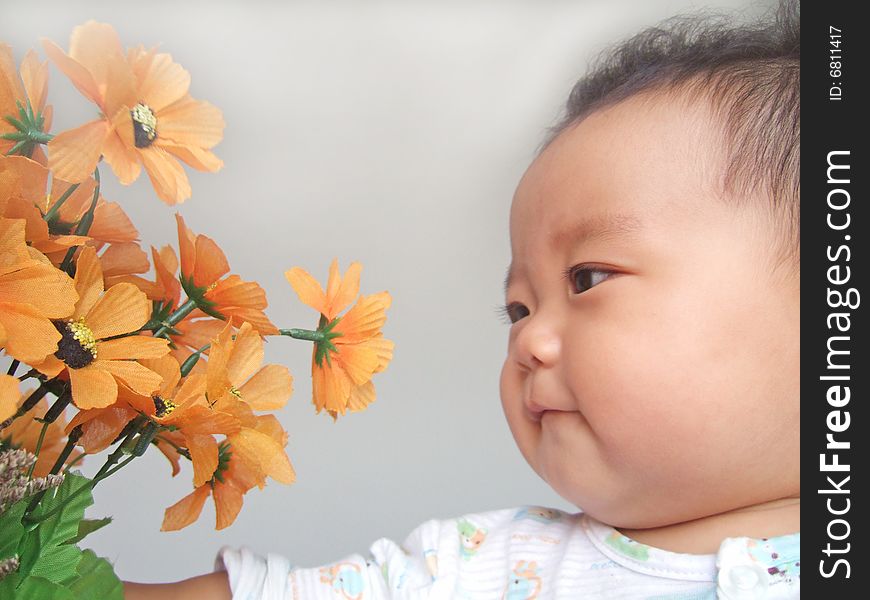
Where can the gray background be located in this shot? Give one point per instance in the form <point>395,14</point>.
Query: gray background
<point>392,133</point>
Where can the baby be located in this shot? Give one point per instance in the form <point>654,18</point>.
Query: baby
<point>652,373</point>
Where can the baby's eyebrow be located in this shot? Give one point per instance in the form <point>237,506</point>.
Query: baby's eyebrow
<point>601,226</point>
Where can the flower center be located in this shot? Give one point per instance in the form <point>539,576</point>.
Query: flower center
<point>163,406</point>
<point>235,392</point>
<point>144,125</point>
<point>77,346</point>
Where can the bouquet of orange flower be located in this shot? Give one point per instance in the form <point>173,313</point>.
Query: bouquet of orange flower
<point>105,358</point>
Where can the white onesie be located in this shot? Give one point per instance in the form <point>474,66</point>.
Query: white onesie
<point>522,554</point>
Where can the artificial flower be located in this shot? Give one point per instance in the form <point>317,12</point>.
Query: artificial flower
<point>203,266</point>
<point>147,116</point>
<point>32,293</point>
<point>245,460</point>
<point>24,433</point>
<point>91,352</point>
<point>10,396</point>
<point>353,348</point>
<point>235,369</point>
<point>28,90</point>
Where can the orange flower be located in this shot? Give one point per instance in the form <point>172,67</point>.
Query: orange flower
<point>32,292</point>
<point>147,115</point>
<point>235,370</point>
<point>24,433</point>
<point>91,353</point>
<point>245,460</point>
<point>32,88</point>
<point>203,266</point>
<point>10,396</point>
<point>352,348</point>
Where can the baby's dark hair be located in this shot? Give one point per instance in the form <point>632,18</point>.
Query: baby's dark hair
<point>749,74</point>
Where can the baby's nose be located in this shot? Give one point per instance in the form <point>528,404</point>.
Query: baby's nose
<point>538,344</point>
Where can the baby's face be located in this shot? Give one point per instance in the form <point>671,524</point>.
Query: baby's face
<point>652,374</point>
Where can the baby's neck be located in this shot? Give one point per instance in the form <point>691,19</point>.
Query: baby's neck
<point>703,536</point>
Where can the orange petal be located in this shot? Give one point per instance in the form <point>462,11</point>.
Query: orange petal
<point>88,281</point>
<point>256,318</point>
<point>51,366</point>
<point>168,368</point>
<point>211,262</point>
<point>247,355</point>
<point>91,45</point>
<point>73,154</point>
<point>136,377</point>
<point>361,396</point>
<point>269,389</point>
<point>92,387</point>
<point>359,361</point>
<point>124,259</point>
<point>34,75</point>
<point>122,158</point>
<point>232,291</point>
<point>330,387</point>
<point>307,288</point>
<point>122,309</point>
<point>111,224</point>
<point>340,291</point>
<point>186,246</point>
<point>198,158</point>
<point>256,448</point>
<point>42,286</point>
<point>204,455</point>
<point>190,392</point>
<point>185,511</point>
<point>166,174</point>
<point>201,420</point>
<point>133,346</point>
<point>101,429</point>
<point>228,500</point>
<point>9,396</point>
<point>163,83</point>
<point>190,122</point>
<point>30,337</point>
<point>170,453</point>
<point>364,320</point>
<point>77,73</point>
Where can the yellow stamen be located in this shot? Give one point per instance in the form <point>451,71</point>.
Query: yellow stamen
<point>83,335</point>
<point>144,125</point>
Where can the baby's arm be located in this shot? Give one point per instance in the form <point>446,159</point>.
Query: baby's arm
<point>211,586</point>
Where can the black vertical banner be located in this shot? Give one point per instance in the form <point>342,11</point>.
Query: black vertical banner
<point>834,358</point>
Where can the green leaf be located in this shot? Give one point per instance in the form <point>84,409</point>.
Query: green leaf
<point>87,527</point>
<point>33,588</point>
<point>97,579</point>
<point>42,550</point>
<point>11,529</point>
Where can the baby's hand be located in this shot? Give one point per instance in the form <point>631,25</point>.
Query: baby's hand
<point>211,586</point>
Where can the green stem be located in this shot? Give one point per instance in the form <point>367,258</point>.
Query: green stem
<point>32,400</point>
<point>38,447</point>
<point>190,361</point>
<point>52,213</point>
<point>304,334</point>
<point>73,438</point>
<point>182,451</point>
<point>84,225</point>
<point>173,319</point>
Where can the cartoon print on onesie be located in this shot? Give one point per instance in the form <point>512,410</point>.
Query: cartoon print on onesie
<point>785,555</point>
<point>431,558</point>
<point>470,538</point>
<point>344,578</point>
<point>539,514</point>
<point>524,584</point>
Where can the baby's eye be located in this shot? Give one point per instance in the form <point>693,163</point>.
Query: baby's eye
<point>584,277</point>
<point>513,312</point>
